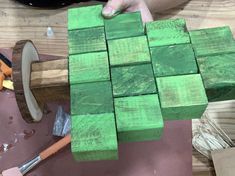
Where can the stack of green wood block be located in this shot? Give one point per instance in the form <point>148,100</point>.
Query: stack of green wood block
<point>126,78</point>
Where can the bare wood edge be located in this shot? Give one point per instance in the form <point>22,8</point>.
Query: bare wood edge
<point>29,114</point>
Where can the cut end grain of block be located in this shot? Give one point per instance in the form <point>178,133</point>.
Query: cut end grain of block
<point>133,80</point>
<point>218,74</point>
<point>212,41</point>
<point>89,67</point>
<point>167,32</point>
<point>173,60</point>
<point>182,97</point>
<point>129,51</point>
<point>138,118</point>
<point>94,137</point>
<point>124,25</point>
<point>91,98</point>
<point>85,17</point>
<point>86,40</point>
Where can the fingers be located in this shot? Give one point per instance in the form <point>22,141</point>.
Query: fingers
<point>113,7</point>
<point>145,13</point>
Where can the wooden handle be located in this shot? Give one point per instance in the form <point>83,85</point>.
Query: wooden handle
<point>55,147</point>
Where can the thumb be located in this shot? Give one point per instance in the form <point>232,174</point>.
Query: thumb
<point>113,7</point>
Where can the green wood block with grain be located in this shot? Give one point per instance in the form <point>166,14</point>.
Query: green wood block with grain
<point>94,137</point>
<point>91,98</point>
<point>218,74</point>
<point>85,17</point>
<point>88,67</point>
<point>182,97</point>
<point>138,118</point>
<point>173,60</point>
<point>133,80</point>
<point>124,25</point>
<point>212,41</point>
<point>86,40</point>
<point>167,32</point>
<point>129,51</point>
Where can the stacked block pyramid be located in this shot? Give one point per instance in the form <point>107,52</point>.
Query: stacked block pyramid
<point>127,78</point>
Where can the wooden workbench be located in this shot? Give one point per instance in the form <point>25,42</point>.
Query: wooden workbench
<point>19,22</point>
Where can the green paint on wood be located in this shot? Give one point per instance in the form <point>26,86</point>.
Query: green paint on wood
<point>167,32</point>
<point>218,74</point>
<point>133,80</point>
<point>173,60</point>
<point>124,25</point>
<point>129,51</point>
<point>212,41</point>
<point>86,40</point>
<point>85,17</point>
<point>91,98</point>
<point>182,97</point>
<point>89,67</point>
<point>138,118</point>
<point>94,137</point>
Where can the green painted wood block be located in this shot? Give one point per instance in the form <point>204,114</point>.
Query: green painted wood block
<point>124,25</point>
<point>86,40</point>
<point>218,74</point>
<point>85,17</point>
<point>89,67</point>
<point>138,118</point>
<point>129,51</point>
<point>94,137</point>
<point>133,80</point>
<point>182,97</point>
<point>167,32</point>
<point>91,98</point>
<point>212,41</point>
<point>173,60</point>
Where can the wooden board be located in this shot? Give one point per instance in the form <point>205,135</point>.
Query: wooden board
<point>85,17</point>
<point>182,97</point>
<point>129,51</point>
<point>88,67</point>
<point>138,118</point>
<point>49,73</point>
<point>133,80</point>
<point>94,137</point>
<point>167,32</point>
<point>212,41</point>
<point>91,98</point>
<point>218,74</point>
<point>124,25</point>
<point>86,40</point>
<point>173,60</point>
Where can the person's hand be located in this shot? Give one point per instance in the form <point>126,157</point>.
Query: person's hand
<point>114,7</point>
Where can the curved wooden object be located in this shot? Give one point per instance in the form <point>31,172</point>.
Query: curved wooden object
<point>37,83</point>
<point>24,53</point>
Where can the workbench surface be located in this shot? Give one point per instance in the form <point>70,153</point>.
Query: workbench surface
<point>19,22</point>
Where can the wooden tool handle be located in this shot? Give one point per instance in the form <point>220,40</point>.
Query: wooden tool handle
<point>55,147</point>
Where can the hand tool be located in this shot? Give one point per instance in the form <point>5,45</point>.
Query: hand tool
<point>5,71</point>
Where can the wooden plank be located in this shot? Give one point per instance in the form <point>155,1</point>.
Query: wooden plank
<point>182,97</point>
<point>124,25</point>
<point>86,40</point>
<point>133,80</point>
<point>94,137</point>
<point>138,118</point>
<point>167,32</point>
<point>88,67</point>
<point>218,74</point>
<point>85,17</point>
<point>129,51</point>
<point>91,98</point>
<point>212,41</point>
<point>173,60</point>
